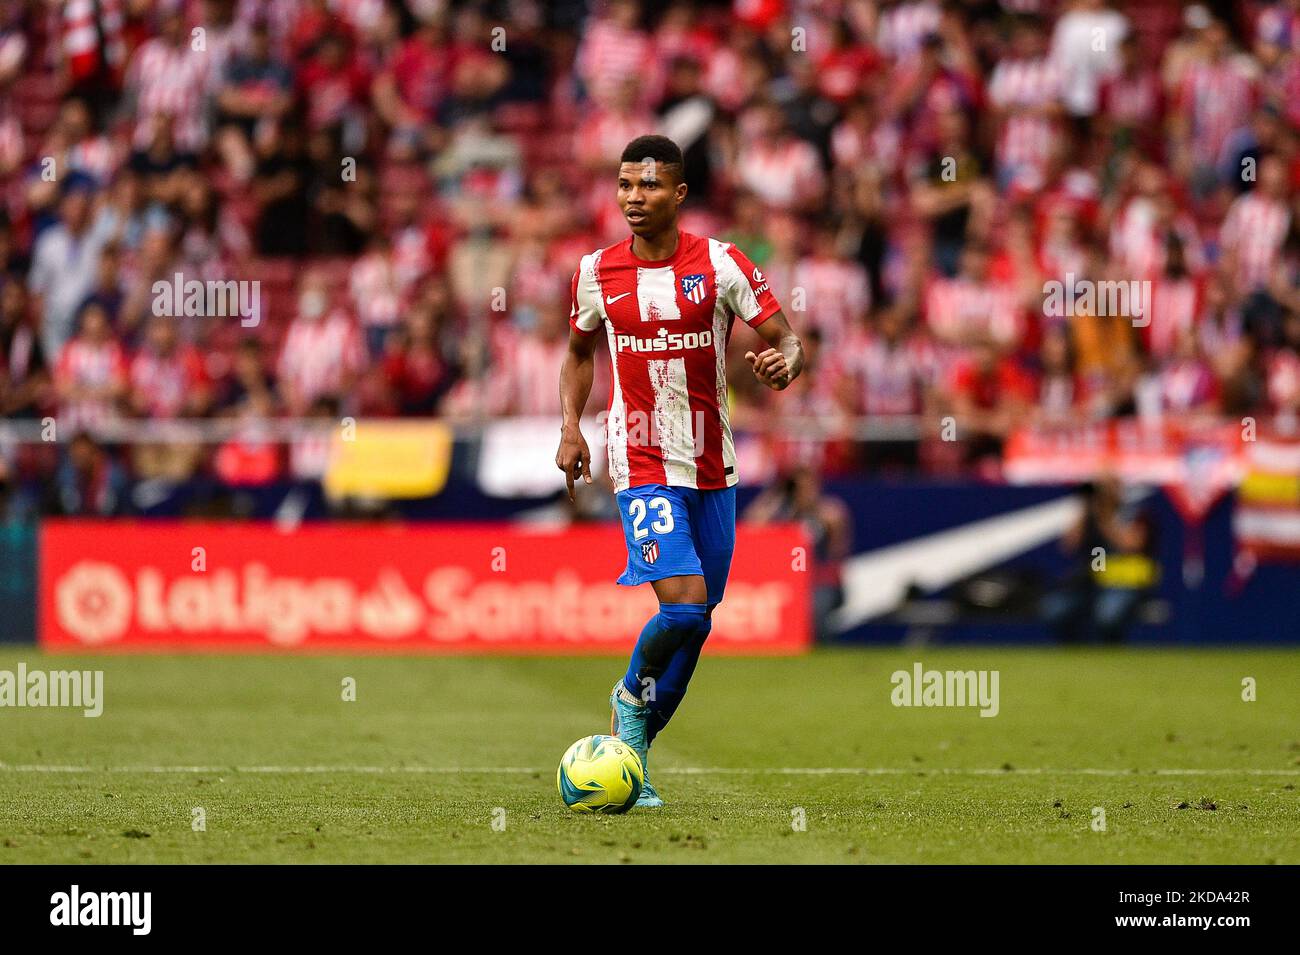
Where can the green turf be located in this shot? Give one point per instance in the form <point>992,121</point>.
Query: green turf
<point>956,788</point>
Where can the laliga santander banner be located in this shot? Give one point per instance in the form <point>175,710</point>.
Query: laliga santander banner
<point>432,588</point>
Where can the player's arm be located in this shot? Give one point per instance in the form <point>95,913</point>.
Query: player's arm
<point>780,363</point>
<point>574,458</point>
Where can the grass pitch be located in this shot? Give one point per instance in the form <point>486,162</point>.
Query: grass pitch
<point>453,760</point>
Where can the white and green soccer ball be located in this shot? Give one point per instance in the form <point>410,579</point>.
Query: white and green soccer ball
<point>600,774</point>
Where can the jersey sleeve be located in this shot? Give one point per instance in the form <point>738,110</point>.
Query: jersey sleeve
<point>584,316</point>
<point>744,288</point>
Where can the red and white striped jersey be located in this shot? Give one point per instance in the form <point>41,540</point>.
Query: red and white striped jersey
<point>164,383</point>
<point>903,27</point>
<point>171,81</point>
<point>1215,96</point>
<point>1255,229</point>
<point>82,366</point>
<point>963,308</point>
<point>1175,305</point>
<point>81,39</point>
<point>318,357</point>
<point>667,324</point>
<point>1025,89</point>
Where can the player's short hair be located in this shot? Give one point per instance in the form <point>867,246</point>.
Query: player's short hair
<point>659,148</point>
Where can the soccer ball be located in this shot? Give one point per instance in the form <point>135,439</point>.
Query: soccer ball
<point>600,774</point>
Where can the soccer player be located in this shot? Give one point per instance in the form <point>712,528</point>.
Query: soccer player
<point>667,300</point>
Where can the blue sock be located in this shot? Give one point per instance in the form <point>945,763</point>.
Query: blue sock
<point>671,688</point>
<point>663,635</point>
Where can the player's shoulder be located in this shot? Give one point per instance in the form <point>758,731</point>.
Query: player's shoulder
<point>590,264</point>
<point>728,258</point>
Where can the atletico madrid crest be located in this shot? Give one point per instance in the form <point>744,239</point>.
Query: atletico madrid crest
<point>650,551</point>
<point>693,288</point>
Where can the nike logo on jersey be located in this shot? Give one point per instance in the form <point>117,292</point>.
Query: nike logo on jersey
<point>610,300</point>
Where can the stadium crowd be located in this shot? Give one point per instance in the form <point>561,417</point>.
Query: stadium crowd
<point>411,185</point>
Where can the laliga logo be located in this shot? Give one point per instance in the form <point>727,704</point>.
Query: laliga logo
<point>93,602</point>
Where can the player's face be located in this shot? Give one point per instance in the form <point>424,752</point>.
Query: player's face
<point>648,196</point>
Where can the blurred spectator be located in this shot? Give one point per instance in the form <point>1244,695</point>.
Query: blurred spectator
<point>255,88</point>
<point>1185,384</point>
<point>1131,103</point>
<point>65,263</point>
<point>949,192</point>
<point>1116,568</point>
<point>167,380</point>
<point>250,388</point>
<point>782,170</point>
<point>528,371</point>
<point>409,92</point>
<point>1026,91</point>
<point>972,305</point>
<point>322,353</point>
<point>248,396</point>
<point>376,293</point>
<point>1059,393</point>
<point>837,290</point>
<point>281,185</point>
<point>94,48</point>
<point>1214,92</point>
<point>415,367</point>
<point>168,77</point>
<point>1283,370</point>
<point>990,395</point>
<point>71,147</point>
<point>334,84</point>
<point>24,375</point>
<point>799,497</point>
<point>166,376</point>
<point>811,417</point>
<point>163,168</point>
<point>89,483</point>
<point>614,49</point>
<point>90,376</point>
<point>1255,228</point>
<point>893,375</point>
<point>1086,48</point>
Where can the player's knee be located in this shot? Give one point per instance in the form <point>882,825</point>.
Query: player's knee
<point>683,621</point>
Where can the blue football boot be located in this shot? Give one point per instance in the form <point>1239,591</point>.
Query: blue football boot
<point>628,723</point>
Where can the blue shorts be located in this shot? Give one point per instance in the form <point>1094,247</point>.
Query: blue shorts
<point>678,531</point>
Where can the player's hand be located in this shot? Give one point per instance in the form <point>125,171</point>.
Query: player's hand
<point>573,458</point>
<point>770,368</point>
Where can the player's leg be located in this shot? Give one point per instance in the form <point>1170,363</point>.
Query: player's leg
<point>683,610</point>
<point>713,527</point>
<point>671,688</point>
<point>661,551</point>
<point>655,672</point>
